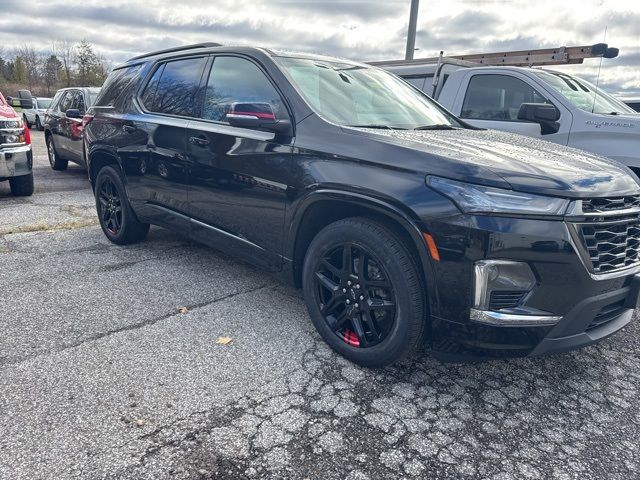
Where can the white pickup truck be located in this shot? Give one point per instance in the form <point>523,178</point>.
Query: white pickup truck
<point>537,102</point>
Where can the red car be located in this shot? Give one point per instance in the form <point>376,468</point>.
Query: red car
<point>16,157</point>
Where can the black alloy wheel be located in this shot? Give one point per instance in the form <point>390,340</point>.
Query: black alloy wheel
<point>364,292</point>
<point>355,295</point>
<point>110,207</point>
<point>117,219</point>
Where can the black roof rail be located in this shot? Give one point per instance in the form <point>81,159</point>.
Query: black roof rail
<point>177,49</point>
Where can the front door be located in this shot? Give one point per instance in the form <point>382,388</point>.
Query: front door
<point>493,101</point>
<point>238,175</point>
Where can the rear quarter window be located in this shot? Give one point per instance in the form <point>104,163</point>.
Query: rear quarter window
<point>117,87</point>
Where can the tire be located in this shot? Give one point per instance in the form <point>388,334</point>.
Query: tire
<point>39,124</point>
<point>56,162</point>
<point>117,220</point>
<point>22,186</point>
<point>26,122</point>
<point>389,323</point>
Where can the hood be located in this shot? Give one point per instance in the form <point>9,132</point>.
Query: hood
<point>7,111</point>
<point>513,161</point>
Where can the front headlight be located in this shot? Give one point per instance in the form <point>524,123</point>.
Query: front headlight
<point>471,198</point>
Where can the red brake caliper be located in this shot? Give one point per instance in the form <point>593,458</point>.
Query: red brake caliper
<point>351,338</point>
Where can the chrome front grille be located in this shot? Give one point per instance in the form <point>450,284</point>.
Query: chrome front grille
<point>609,231</point>
<point>599,205</point>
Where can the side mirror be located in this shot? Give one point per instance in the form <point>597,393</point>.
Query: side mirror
<point>73,113</point>
<point>256,115</point>
<point>26,100</point>
<point>545,114</point>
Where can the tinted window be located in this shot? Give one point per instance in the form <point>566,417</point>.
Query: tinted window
<point>117,85</point>
<point>417,82</point>
<point>66,101</point>
<point>234,79</point>
<point>497,97</point>
<point>174,87</point>
<point>55,103</point>
<point>78,101</point>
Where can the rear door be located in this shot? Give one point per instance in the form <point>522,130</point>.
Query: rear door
<point>238,175</point>
<point>169,99</point>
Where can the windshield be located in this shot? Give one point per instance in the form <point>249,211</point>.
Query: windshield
<point>354,95</point>
<point>43,102</point>
<point>581,93</point>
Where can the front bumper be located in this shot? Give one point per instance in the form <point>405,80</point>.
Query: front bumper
<point>15,161</point>
<point>579,309</point>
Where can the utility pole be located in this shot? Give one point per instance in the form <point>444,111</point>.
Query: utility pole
<point>411,34</point>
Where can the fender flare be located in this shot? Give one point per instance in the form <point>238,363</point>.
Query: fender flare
<point>380,206</point>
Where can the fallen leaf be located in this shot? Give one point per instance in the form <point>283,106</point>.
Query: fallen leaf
<point>183,310</point>
<point>224,340</point>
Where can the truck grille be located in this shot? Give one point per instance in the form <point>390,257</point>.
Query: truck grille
<point>612,245</point>
<point>598,205</point>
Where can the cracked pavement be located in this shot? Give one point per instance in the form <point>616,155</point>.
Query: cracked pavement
<point>101,377</point>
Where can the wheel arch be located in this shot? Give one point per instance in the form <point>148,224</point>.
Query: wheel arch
<point>323,207</point>
<point>98,159</point>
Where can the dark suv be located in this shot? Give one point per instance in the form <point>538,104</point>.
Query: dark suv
<point>63,125</point>
<point>400,222</point>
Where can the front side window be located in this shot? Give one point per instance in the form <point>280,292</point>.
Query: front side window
<point>78,102</point>
<point>174,87</point>
<point>357,95</point>
<point>235,79</point>
<point>497,97</point>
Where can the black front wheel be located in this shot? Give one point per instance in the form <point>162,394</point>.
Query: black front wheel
<point>363,292</point>
<point>117,219</point>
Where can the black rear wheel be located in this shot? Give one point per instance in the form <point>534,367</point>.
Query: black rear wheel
<point>55,161</point>
<point>363,292</point>
<point>38,124</point>
<point>117,219</point>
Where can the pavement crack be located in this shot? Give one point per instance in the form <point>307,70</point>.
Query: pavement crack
<point>131,327</point>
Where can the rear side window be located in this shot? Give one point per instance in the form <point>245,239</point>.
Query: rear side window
<point>66,101</point>
<point>497,97</point>
<point>174,87</point>
<point>117,86</point>
<point>78,101</point>
<point>235,79</point>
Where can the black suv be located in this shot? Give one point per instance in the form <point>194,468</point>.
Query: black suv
<point>400,222</point>
<point>63,125</point>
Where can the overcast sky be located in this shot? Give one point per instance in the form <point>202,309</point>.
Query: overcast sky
<point>356,29</point>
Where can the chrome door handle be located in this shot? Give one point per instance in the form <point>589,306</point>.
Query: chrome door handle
<point>200,141</point>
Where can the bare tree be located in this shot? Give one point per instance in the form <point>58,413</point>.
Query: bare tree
<point>32,63</point>
<point>64,50</point>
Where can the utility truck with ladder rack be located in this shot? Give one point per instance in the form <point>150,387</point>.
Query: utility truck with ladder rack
<point>503,91</point>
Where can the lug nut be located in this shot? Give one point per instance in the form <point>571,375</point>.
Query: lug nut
<point>349,283</point>
<point>357,285</point>
<point>344,290</point>
<point>361,297</point>
<point>348,302</point>
<point>356,305</point>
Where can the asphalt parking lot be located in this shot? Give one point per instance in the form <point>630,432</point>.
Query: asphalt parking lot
<point>101,375</point>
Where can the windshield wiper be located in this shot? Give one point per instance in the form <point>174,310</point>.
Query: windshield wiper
<point>383,127</point>
<point>437,126</point>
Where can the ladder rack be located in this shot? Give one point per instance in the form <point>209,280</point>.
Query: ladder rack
<point>520,58</point>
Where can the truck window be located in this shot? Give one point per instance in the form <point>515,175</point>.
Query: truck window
<point>497,97</point>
